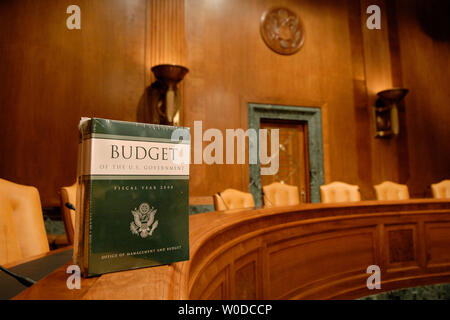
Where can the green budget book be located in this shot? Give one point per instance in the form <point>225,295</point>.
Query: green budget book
<point>132,199</point>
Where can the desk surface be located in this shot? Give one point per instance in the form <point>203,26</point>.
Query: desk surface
<point>313,251</point>
<point>35,269</point>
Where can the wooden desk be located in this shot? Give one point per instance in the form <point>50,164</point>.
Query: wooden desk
<point>314,251</point>
<point>35,268</point>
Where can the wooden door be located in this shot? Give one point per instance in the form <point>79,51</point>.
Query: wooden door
<point>294,159</point>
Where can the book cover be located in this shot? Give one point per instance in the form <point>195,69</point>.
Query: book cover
<point>133,196</point>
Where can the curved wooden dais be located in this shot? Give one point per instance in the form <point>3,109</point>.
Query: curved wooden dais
<point>314,251</point>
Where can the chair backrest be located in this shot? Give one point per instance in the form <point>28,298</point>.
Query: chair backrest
<point>233,199</point>
<point>441,190</point>
<point>391,191</point>
<point>279,194</point>
<point>22,230</point>
<point>339,192</point>
<point>69,194</point>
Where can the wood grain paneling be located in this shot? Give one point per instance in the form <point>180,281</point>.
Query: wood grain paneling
<point>378,73</point>
<point>397,82</point>
<point>340,69</point>
<point>402,245</point>
<point>437,243</point>
<point>51,76</point>
<point>219,287</point>
<point>293,156</point>
<point>425,69</point>
<point>299,254</point>
<point>246,279</point>
<point>362,108</point>
<point>229,63</point>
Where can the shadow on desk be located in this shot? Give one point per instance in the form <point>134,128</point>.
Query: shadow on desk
<point>35,269</point>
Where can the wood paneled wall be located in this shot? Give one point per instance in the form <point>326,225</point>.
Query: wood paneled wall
<point>424,37</point>
<point>241,69</point>
<point>51,76</point>
<point>340,69</point>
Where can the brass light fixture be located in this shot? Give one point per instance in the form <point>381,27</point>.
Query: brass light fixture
<point>166,109</point>
<point>386,112</point>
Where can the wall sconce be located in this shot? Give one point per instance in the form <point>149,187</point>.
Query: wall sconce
<point>165,109</point>
<point>386,112</point>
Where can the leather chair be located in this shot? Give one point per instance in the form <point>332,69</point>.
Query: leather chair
<point>279,194</point>
<point>391,191</point>
<point>233,199</point>
<point>69,194</point>
<point>339,192</point>
<point>441,190</point>
<point>22,230</point>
